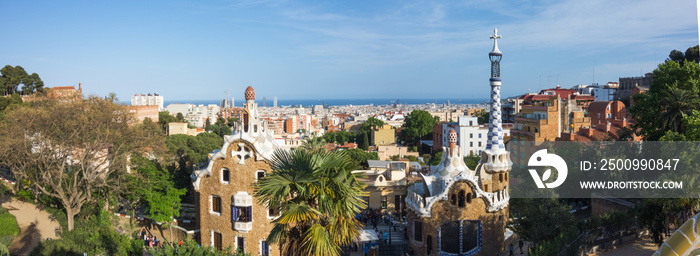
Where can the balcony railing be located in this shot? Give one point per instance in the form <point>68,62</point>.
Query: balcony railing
<point>243,226</point>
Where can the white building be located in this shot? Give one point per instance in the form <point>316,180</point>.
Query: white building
<point>471,137</point>
<point>148,100</point>
<point>196,115</point>
<point>179,108</point>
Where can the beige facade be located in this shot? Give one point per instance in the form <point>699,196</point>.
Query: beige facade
<point>177,128</point>
<point>227,213</point>
<point>384,135</point>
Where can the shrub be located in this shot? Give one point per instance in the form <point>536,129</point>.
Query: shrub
<point>94,236</point>
<point>9,228</point>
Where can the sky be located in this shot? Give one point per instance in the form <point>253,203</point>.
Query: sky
<point>197,50</point>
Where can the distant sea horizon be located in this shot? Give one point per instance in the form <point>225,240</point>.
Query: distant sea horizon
<point>335,102</point>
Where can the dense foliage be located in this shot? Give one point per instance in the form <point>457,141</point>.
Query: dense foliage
<point>191,248</point>
<point>12,77</point>
<point>317,196</point>
<point>74,151</point>
<point>672,95</point>
<point>94,235</point>
<point>9,229</point>
<point>418,125</point>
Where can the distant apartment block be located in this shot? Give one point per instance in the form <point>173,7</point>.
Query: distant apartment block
<point>143,112</point>
<point>298,122</point>
<point>471,136</point>
<point>384,135</point>
<point>148,100</point>
<point>629,83</point>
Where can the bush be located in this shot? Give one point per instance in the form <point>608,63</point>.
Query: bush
<point>94,236</point>
<point>4,190</point>
<point>9,228</point>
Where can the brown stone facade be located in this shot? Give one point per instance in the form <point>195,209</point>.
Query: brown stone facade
<point>492,224</point>
<point>242,178</point>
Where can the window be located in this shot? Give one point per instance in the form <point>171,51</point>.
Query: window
<point>453,199</point>
<point>272,213</point>
<point>418,231</point>
<point>225,176</point>
<point>240,244</point>
<point>479,143</point>
<point>471,144</point>
<point>598,115</point>
<point>242,213</point>
<point>215,204</point>
<point>469,198</point>
<point>500,177</point>
<point>264,248</point>
<point>462,200</point>
<point>479,135</point>
<point>259,175</point>
<point>384,202</point>
<point>216,240</point>
<point>471,135</point>
<point>459,237</point>
<point>609,115</point>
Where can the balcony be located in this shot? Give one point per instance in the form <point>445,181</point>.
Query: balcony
<point>243,226</point>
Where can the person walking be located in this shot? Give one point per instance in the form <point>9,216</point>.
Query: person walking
<point>521,244</point>
<point>510,248</point>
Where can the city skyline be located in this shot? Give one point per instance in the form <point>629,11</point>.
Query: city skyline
<point>396,49</point>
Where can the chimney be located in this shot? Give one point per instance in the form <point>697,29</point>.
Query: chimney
<point>80,87</point>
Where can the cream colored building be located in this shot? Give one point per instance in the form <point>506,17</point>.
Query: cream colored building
<point>384,135</point>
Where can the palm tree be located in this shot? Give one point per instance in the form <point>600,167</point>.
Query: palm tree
<point>675,104</point>
<point>313,144</point>
<point>317,196</point>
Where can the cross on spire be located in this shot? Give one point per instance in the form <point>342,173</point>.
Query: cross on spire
<point>495,35</point>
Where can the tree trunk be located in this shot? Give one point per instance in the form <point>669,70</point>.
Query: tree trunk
<point>70,215</point>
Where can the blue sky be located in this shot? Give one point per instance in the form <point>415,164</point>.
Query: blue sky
<point>195,50</point>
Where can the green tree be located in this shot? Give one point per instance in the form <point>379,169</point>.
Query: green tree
<point>692,54</point>
<point>13,77</point>
<point>675,105</point>
<point>370,124</point>
<point>313,144</point>
<point>482,116</point>
<point>73,150</point>
<point>364,145</point>
<point>112,97</point>
<point>359,158</point>
<point>318,197</point>
<point>670,81</point>
<point>155,187</point>
<point>207,125</point>
<point>540,219</point>
<point>677,56</point>
<point>418,124</point>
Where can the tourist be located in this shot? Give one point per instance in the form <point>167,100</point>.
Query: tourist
<point>510,248</point>
<point>520,244</point>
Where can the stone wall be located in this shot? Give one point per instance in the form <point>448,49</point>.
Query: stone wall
<point>242,178</point>
<point>493,224</point>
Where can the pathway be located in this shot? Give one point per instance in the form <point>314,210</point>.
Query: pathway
<point>34,225</point>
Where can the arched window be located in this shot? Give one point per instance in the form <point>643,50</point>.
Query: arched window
<point>453,199</point>
<point>469,198</point>
<point>462,200</point>
<point>500,177</point>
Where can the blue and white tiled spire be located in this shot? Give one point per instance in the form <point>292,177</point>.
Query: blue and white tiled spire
<point>495,135</point>
<point>495,158</point>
